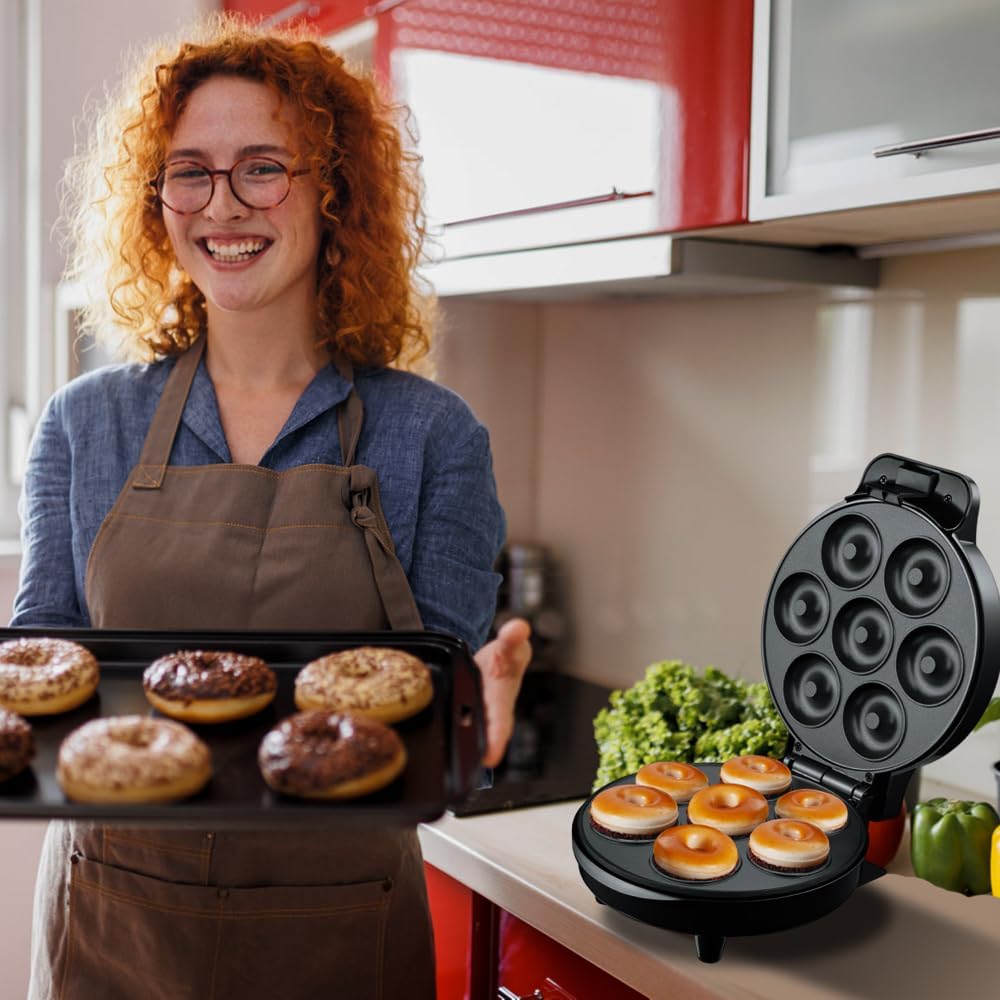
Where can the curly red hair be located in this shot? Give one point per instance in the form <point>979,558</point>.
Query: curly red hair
<point>372,307</point>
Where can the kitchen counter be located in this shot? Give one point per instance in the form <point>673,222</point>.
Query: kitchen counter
<point>895,937</point>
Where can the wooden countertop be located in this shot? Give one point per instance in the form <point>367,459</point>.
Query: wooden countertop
<point>896,937</point>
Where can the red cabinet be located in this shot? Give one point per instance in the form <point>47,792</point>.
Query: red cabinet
<point>480,947</point>
<point>324,15</point>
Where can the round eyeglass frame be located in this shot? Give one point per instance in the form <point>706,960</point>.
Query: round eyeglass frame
<point>157,183</point>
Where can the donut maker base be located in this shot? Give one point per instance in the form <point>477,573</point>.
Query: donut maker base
<point>880,643</point>
<point>443,742</point>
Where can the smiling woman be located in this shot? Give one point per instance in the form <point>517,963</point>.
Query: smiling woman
<point>250,210</point>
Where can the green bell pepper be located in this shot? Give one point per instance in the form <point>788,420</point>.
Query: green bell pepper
<point>950,844</point>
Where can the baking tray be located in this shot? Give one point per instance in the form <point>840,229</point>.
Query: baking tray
<point>443,742</point>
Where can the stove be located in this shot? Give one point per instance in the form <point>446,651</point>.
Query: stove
<point>552,756</point>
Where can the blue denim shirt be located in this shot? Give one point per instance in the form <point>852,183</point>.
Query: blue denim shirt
<point>431,455</point>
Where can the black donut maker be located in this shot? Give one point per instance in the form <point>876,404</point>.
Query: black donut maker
<point>881,647</point>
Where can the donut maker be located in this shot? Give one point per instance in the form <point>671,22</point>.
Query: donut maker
<point>881,647</point>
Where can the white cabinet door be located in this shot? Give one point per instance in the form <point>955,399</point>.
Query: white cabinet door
<point>834,82</point>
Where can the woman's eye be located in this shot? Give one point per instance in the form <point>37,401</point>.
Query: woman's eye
<point>261,170</point>
<point>187,175</point>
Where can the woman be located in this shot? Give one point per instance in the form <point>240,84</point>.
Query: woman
<point>257,221</point>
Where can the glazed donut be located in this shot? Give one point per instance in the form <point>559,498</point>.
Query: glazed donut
<point>330,755</point>
<point>765,774</point>
<point>733,809</point>
<point>132,758</point>
<point>385,684</point>
<point>823,809</point>
<point>199,686</point>
<point>45,676</point>
<point>788,845</point>
<point>632,811</point>
<point>695,852</point>
<point>17,744</point>
<point>679,781</point>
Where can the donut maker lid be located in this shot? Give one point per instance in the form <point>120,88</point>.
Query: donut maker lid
<point>443,742</point>
<point>880,631</point>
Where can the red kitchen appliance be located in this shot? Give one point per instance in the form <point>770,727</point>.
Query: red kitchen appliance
<point>881,648</point>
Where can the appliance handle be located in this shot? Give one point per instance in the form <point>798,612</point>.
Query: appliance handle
<point>917,147</point>
<point>557,206</point>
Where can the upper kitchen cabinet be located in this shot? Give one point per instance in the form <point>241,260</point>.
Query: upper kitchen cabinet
<point>859,104</point>
<point>546,122</point>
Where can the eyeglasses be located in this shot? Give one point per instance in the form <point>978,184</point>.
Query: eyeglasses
<point>186,186</point>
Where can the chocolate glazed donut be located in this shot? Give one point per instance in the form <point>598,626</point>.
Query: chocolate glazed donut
<point>17,744</point>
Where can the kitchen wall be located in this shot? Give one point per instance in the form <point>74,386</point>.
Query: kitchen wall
<point>669,451</point>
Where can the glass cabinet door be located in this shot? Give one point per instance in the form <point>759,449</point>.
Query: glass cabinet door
<point>847,79</point>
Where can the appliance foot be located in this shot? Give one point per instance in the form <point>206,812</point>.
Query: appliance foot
<point>709,947</point>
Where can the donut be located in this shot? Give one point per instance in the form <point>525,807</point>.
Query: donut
<point>733,809</point>
<point>632,811</point>
<point>330,755</point>
<point>695,852</point>
<point>17,744</point>
<point>820,808</point>
<point>679,781</point>
<point>765,774</point>
<point>385,684</point>
<point>45,676</point>
<point>200,686</point>
<point>132,758</point>
<point>788,845</point>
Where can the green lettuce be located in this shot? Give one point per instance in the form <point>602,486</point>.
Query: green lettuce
<point>676,713</point>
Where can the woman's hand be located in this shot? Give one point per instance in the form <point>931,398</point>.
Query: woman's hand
<point>502,663</point>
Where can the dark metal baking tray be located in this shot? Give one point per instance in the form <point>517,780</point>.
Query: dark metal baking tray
<point>443,742</point>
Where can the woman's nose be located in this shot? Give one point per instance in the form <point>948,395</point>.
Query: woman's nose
<point>224,205</point>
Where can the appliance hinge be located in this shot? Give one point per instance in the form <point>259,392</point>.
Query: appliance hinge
<point>826,777</point>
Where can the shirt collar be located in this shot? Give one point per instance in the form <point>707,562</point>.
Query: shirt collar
<point>326,391</point>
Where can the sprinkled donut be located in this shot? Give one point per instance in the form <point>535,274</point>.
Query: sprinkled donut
<point>632,811</point>
<point>767,775</point>
<point>679,781</point>
<point>385,684</point>
<point>132,758</point>
<point>45,676</point>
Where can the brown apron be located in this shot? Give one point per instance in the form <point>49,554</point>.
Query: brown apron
<point>166,914</point>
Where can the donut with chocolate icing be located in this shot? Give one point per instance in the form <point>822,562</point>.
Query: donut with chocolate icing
<point>132,758</point>
<point>45,676</point>
<point>330,755</point>
<point>17,744</point>
<point>198,685</point>
<point>385,684</point>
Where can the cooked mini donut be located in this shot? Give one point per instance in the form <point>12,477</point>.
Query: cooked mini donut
<point>824,809</point>
<point>17,744</point>
<point>695,852</point>
<point>384,684</point>
<point>132,758</point>
<point>196,685</point>
<point>788,845</point>
<point>330,755</point>
<point>632,811</point>
<point>733,809</point>
<point>680,781</point>
<point>45,676</point>
<point>765,774</point>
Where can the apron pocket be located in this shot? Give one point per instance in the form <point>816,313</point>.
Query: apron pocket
<point>133,936</point>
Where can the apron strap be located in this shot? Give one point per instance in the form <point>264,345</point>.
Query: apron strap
<point>350,414</point>
<point>393,587</point>
<point>159,441</point>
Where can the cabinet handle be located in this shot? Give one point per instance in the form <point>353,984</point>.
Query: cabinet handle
<point>557,206</point>
<point>505,994</point>
<point>919,146</point>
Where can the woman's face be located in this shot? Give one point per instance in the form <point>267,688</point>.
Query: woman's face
<point>244,259</point>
